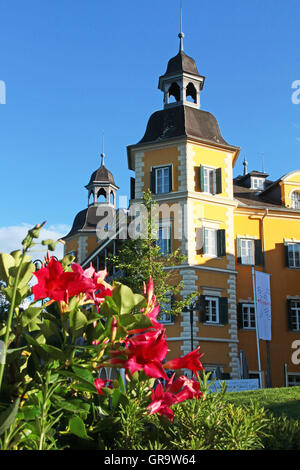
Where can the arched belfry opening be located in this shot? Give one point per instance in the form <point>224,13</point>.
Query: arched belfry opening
<point>191,93</point>
<point>101,196</point>
<point>174,93</point>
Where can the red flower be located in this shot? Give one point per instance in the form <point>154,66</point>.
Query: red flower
<point>161,402</point>
<point>99,384</point>
<point>146,352</point>
<point>189,361</point>
<point>55,283</point>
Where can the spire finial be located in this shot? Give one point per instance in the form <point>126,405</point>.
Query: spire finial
<point>102,154</point>
<point>245,163</point>
<point>181,35</point>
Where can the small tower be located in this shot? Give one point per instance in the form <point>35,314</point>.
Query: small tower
<point>101,187</point>
<point>82,238</point>
<point>182,80</point>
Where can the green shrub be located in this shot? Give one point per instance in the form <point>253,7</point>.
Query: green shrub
<point>282,434</point>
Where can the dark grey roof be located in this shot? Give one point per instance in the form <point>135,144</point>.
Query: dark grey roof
<point>181,121</point>
<point>85,220</point>
<point>102,175</point>
<point>254,198</point>
<point>181,63</point>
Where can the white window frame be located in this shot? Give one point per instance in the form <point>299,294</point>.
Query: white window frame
<point>291,249</point>
<point>250,253</point>
<point>209,315</point>
<point>165,179</point>
<point>295,199</point>
<point>209,180</point>
<point>257,183</point>
<point>166,228</point>
<point>295,312</point>
<point>248,316</point>
<point>210,241</point>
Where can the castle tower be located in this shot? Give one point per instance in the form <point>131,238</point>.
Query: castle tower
<point>82,238</point>
<point>187,164</point>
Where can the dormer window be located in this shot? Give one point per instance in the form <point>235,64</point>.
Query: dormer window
<point>257,183</point>
<point>295,199</point>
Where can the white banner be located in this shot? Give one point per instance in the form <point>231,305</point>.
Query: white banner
<point>263,304</point>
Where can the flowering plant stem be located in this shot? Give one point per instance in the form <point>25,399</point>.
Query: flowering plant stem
<point>11,310</point>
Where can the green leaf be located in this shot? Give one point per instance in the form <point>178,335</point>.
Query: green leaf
<point>84,385</point>
<point>83,373</point>
<point>26,272</point>
<point>6,263</point>
<point>78,322</point>
<point>67,260</point>
<point>125,299</point>
<point>29,315</point>
<point>74,406</point>
<point>8,416</point>
<point>77,427</point>
<point>135,322</point>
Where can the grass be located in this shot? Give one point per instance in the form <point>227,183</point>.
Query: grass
<point>279,401</point>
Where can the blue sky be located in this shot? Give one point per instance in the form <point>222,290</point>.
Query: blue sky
<point>74,69</point>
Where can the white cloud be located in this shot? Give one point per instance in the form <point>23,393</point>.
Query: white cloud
<point>11,239</point>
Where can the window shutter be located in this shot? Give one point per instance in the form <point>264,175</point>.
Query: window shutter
<point>238,251</point>
<point>286,254</point>
<point>152,181</point>
<point>202,312</point>
<point>289,315</point>
<point>218,180</point>
<point>170,179</point>
<point>201,178</point>
<point>221,243</point>
<point>240,323</point>
<point>132,188</point>
<point>199,240</point>
<point>258,252</point>
<point>223,310</point>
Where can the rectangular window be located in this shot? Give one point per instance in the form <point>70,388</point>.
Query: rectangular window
<point>164,237</point>
<point>248,316</point>
<point>209,183</point>
<point>161,179</point>
<point>295,200</point>
<point>293,380</point>
<point>293,255</point>
<point>257,183</point>
<point>210,242</point>
<point>295,315</point>
<point>165,315</point>
<point>211,309</point>
<point>247,251</point>
<point>210,180</point>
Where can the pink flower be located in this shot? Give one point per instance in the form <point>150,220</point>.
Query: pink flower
<point>189,361</point>
<point>101,288</point>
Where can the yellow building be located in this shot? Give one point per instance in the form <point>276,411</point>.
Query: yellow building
<point>223,225</point>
